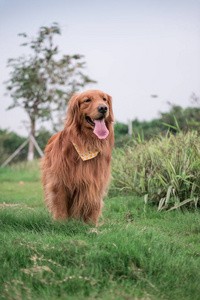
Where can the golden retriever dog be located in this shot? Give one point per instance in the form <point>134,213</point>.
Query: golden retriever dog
<point>76,167</point>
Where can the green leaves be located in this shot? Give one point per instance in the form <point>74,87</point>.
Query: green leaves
<point>22,34</point>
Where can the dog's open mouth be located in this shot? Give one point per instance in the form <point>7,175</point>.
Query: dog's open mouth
<point>90,121</point>
<point>100,128</point>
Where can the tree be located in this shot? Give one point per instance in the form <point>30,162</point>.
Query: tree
<point>43,82</point>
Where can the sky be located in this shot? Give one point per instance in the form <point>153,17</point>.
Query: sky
<point>133,49</point>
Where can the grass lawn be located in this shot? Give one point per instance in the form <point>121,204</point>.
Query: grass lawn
<point>135,253</point>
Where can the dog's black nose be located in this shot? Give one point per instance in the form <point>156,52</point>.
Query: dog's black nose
<point>102,109</point>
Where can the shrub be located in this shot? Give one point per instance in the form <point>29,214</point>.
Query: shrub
<point>9,142</point>
<point>164,170</point>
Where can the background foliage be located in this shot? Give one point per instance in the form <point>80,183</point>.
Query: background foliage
<point>187,119</point>
<point>10,141</point>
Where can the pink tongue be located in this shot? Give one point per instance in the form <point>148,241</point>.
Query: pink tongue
<point>100,129</point>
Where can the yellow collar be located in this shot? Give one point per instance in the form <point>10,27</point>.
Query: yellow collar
<point>86,156</point>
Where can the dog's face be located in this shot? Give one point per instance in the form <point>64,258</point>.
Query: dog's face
<point>92,110</point>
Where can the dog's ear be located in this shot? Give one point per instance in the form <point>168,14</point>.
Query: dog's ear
<point>73,109</point>
<point>111,116</point>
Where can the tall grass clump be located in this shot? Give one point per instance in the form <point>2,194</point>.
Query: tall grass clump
<point>164,170</point>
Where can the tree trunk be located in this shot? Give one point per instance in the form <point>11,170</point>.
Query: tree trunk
<point>31,145</point>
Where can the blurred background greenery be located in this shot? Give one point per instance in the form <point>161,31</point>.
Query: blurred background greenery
<point>187,119</point>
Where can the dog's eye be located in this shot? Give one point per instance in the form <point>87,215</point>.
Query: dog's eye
<point>88,100</point>
<point>104,99</point>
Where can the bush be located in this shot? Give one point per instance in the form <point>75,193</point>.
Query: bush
<point>121,134</point>
<point>10,141</point>
<point>165,170</point>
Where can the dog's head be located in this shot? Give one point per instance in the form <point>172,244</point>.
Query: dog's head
<point>91,111</point>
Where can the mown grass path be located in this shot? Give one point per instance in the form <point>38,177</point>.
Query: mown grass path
<point>135,253</point>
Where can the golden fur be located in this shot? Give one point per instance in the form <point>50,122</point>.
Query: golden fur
<point>74,188</point>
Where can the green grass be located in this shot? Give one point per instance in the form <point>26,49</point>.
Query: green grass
<point>136,253</point>
<point>164,170</point>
